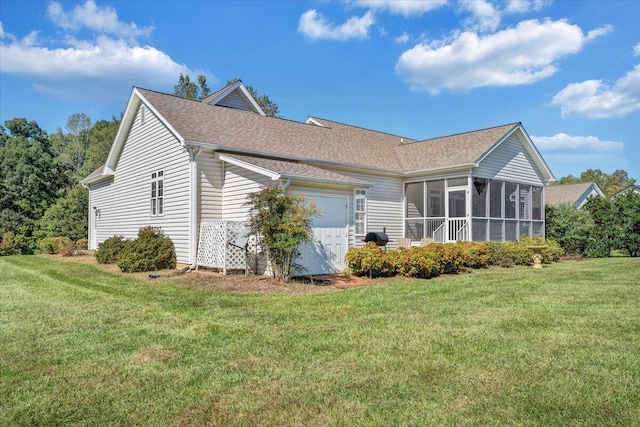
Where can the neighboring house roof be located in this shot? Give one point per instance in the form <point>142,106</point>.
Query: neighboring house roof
<point>635,188</point>
<point>571,194</point>
<point>318,141</point>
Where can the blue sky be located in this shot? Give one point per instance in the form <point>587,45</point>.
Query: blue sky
<point>568,70</point>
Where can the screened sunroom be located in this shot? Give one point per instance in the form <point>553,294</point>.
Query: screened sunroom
<point>472,208</point>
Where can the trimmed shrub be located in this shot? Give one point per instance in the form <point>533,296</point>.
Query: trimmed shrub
<point>475,254</point>
<point>82,244</point>
<point>366,260</point>
<point>54,245</point>
<point>68,248</point>
<point>422,262</point>
<point>508,254</point>
<point>151,251</point>
<point>109,250</point>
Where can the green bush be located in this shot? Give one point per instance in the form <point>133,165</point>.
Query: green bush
<point>109,250</point>
<point>366,260</point>
<point>54,245</point>
<point>508,254</point>
<point>68,248</point>
<point>8,244</point>
<point>151,251</point>
<point>475,254</point>
<point>421,261</point>
<point>82,244</point>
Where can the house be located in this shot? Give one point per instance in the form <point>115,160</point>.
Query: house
<point>634,188</point>
<point>574,195</point>
<point>187,166</point>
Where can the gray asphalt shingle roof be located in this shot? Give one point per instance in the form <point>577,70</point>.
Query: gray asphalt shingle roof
<point>231,129</point>
<point>295,169</point>
<point>565,194</point>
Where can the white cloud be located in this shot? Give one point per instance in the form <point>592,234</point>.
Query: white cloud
<point>404,38</point>
<point>520,55</point>
<point>524,6</point>
<point>97,69</point>
<point>564,142</point>
<point>103,20</point>
<point>578,153</point>
<point>314,25</point>
<point>406,8</point>
<point>484,17</point>
<point>636,49</point>
<point>595,99</point>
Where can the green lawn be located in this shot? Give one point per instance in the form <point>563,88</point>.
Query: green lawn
<point>557,346</point>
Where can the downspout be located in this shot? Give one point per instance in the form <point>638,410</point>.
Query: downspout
<point>194,152</point>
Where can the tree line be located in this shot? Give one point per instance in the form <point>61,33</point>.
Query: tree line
<point>40,191</point>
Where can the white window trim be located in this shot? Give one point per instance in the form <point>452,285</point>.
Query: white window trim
<point>356,193</point>
<point>155,178</point>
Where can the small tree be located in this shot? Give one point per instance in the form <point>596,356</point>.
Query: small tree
<point>281,222</point>
<point>604,235</point>
<point>627,212</point>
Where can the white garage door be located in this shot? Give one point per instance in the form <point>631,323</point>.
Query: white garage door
<point>325,253</point>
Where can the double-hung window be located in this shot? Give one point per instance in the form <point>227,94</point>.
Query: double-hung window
<point>361,211</point>
<point>157,193</point>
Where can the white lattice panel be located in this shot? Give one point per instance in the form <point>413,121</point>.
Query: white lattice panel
<point>214,250</point>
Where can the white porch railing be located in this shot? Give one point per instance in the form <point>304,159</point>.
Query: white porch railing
<point>439,233</point>
<point>458,230</point>
<point>452,230</point>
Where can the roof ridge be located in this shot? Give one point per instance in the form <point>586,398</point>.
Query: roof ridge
<point>199,101</point>
<point>362,128</point>
<point>464,133</point>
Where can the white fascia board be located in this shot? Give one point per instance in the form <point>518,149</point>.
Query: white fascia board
<point>495,145</point>
<point>225,92</point>
<point>244,93</point>
<point>452,169</point>
<point>250,99</point>
<point>529,146</point>
<point>596,187</point>
<point>96,179</point>
<point>129,116</point>
<point>327,181</point>
<point>248,166</point>
<point>537,157</point>
<point>160,117</point>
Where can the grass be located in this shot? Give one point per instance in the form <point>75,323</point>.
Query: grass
<point>83,346</point>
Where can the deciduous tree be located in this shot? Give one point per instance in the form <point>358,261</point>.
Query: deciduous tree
<point>188,89</point>
<point>281,222</point>
<point>31,179</point>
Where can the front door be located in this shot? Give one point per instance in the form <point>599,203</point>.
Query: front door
<point>457,224</point>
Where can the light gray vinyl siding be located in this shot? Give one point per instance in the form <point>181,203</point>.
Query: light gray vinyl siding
<point>509,162</point>
<point>234,100</point>
<point>124,202</point>
<point>384,207</point>
<point>95,199</point>
<point>209,186</point>
<point>238,184</point>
